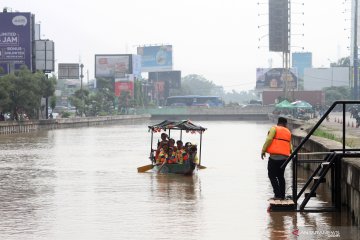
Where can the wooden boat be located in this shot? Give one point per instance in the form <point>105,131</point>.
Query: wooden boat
<point>188,166</point>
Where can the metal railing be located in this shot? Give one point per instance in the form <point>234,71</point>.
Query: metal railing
<point>333,157</point>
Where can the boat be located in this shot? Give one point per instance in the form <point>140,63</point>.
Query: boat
<point>186,168</point>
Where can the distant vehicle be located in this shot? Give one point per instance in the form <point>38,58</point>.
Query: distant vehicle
<point>255,102</point>
<point>195,100</point>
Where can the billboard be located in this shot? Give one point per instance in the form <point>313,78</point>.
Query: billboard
<point>44,55</point>
<point>68,71</point>
<point>274,78</point>
<point>121,87</point>
<point>113,65</point>
<point>155,58</point>
<point>15,40</point>
<point>172,77</point>
<point>278,26</point>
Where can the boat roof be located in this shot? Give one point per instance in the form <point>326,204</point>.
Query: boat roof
<point>177,125</point>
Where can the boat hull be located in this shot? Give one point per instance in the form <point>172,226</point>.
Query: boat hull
<point>186,169</point>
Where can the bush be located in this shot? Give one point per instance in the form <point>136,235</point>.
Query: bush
<point>65,114</point>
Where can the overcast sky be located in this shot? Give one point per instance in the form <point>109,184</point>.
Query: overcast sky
<point>217,39</point>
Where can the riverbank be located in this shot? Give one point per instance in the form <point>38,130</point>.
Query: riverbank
<point>11,127</point>
<point>330,137</point>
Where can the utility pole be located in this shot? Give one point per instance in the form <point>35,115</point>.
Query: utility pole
<point>356,60</point>
<point>81,76</point>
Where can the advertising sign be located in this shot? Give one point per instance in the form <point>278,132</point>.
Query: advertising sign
<point>136,65</point>
<point>278,26</point>
<point>15,40</point>
<point>113,66</point>
<point>121,87</point>
<point>172,77</point>
<point>68,71</point>
<point>44,55</point>
<point>274,78</point>
<point>155,58</point>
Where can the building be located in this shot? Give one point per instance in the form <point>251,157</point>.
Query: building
<point>300,61</point>
<point>319,78</point>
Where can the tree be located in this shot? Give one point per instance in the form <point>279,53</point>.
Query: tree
<point>21,92</point>
<point>336,93</point>
<point>80,101</point>
<point>194,84</point>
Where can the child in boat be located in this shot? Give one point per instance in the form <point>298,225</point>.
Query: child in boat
<point>172,158</point>
<point>163,154</point>
<point>181,153</point>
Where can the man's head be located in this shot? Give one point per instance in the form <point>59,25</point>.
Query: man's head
<point>282,121</point>
<point>164,136</point>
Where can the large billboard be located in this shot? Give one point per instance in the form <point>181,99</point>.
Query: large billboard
<point>44,55</point>
<point>155,58</point>
<point>122,87</point>
<point>68,71</point>
<point>274,78</point>
<point>278,25</point>
<point>172,77</point>
<point>15,40</point>
<point>113,65</point>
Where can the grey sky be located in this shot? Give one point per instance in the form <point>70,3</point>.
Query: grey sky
<point>214,38</point>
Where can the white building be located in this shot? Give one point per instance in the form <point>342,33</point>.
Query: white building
<point>319,78</point>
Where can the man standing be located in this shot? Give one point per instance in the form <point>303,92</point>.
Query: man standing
<point>278,145</point>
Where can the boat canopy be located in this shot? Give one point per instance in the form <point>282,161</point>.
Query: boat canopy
<point>176,125</point>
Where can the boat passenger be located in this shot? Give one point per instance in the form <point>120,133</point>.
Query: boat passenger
<point>172,158</point>
<point>164,140</point>
<point>193,154</point>
<point>172,143</point>
<point>163,154</point>
<point>181,152</point>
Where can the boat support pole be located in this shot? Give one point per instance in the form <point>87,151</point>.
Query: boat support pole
<point>151,145</point>
<point>200,147</point>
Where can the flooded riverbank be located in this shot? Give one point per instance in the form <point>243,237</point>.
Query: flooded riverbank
<point>83,184</point>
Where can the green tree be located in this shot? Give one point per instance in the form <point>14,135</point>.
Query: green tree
<point>194,84</point>
<point>21,92</point>
<point>336,93</point>
<point>80,101</point>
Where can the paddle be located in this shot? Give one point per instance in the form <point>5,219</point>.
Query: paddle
<point>161,166</point>
<point>201,167</point>
<point>145,168</point>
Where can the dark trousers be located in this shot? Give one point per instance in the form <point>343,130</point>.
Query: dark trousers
<point>276,176</point>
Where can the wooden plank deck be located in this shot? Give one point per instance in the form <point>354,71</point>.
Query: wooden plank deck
<point>286,204</point>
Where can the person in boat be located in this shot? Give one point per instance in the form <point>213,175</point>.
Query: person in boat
<point>278,145</point>
<point>172,158</point>
<point>172,143</point>
<point>164,141</point>
<point>163,154</point>
<point>193,154</point>
<point>182,155</point>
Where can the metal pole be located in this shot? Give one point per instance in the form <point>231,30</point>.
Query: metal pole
<point>356,61</point>
<point>200,147</point>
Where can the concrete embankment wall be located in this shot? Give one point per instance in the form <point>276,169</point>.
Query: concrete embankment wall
<point>350,169</point>
<point>248,113</point>
<point>11,127</point>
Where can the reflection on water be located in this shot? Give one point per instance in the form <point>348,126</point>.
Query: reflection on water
<point>82,184</point>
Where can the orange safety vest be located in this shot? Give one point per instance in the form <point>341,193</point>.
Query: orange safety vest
<point>281,142</point>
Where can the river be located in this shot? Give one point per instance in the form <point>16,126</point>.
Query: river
<point>83,184</point>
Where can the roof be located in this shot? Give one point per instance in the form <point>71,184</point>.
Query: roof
<point>177,125</point>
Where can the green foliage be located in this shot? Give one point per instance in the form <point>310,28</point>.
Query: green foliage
<point>336,93</point>
<point>194,84</point>
<point>52,102</point>
<point>65,114</point>
<point>325,134</point>
<point>21,92</point>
